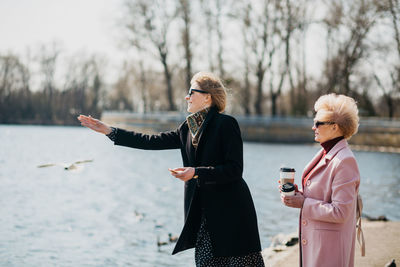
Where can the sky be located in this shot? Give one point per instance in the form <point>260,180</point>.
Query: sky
<point>80,25</point>
<point>87,25</point>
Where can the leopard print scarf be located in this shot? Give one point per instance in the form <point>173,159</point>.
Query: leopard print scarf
<point>195,121</point>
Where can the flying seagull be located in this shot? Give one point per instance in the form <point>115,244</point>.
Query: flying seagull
<point>66,166</point>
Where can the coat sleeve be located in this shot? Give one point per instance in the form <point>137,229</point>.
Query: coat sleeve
<point>232,167</point>
<point>344,193</point>
<point>164,140</point>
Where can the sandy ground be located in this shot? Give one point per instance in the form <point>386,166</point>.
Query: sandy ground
<point>382,245</point>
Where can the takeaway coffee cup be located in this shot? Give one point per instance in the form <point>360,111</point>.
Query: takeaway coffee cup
<point>287,175</point>
<point>288,189</point>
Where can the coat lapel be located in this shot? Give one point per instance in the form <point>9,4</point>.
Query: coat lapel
<point>339,146</point>
<point>320,164</point>
<point>312,163</point>
<point>190,150</point>
<point>203,128</point>
<point>328,157</point>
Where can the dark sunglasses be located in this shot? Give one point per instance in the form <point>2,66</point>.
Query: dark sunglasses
<point>191,90</point>
<point>319,123</point>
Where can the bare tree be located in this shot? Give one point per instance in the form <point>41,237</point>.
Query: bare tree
<point>350,23</point>
<point>216,11</point>
<point>220,37</point>
<point>184,8</point>
<point>149,23</point>
<point>268,28</point>
<point>391,89</point>
<point>296,22</point>
<point>20,104</point>
<point>9,65</point>
<point>143,85</point>
<point>48,61</point>
<point>121,96</point>
<point>242,12</point>
<point>289,28</point>
<point>263,38</point>
<point>246,93</point>
<point>14,89</point>
<point>84,85</point>
<point>394,9</point>
<point>209,20</point>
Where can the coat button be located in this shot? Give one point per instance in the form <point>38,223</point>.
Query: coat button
<point>304,242</point>
<point>308,183</point>
<point>304,222</point>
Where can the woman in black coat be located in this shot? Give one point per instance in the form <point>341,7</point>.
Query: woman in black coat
<point>220,218</point>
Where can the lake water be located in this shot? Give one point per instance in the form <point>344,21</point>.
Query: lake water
<point>111,211</point>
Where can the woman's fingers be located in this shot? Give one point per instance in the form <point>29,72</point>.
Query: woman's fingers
<point>184,173</point>
<point>283,199</point>
<point>87,119</point>
<point>83,117</point>
<point>181,174</point>
<point>94,124</point>
<point>176,171</point>
<point>296,188</point>
<point>89,124</point>
<point>295,201</point>
<point>287,200</point>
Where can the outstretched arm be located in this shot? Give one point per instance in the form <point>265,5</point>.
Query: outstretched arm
<point>165,140</point>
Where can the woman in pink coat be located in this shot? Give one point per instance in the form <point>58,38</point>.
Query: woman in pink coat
<point>330,184</point>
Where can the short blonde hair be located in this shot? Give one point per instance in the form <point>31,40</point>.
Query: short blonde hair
<point>340,109</point>
<point>212,85</point>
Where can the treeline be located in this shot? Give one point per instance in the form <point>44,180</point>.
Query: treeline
<point>276,56</point>
<point>50,104</point>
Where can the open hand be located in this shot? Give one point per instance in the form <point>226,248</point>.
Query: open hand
<point>94,124</point>
<point>184,173</point>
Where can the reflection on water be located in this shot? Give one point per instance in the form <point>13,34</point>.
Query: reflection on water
<point>112,211</point>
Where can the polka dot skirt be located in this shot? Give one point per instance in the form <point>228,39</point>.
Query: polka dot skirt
<point>204,257</point>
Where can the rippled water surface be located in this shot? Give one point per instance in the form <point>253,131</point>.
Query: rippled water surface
<point>110,212</point>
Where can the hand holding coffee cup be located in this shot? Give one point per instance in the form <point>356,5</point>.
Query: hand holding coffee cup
<point>293,201</point>
<point>288,189</point>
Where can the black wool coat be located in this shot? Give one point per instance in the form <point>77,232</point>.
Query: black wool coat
<point>219,192</point>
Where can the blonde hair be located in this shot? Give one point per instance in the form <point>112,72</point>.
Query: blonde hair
<point>212,85</point>
<point>340,109</point>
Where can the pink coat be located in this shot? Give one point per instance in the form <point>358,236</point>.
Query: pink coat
<point>328,217</point>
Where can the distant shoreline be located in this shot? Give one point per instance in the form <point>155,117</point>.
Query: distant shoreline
<point>383,149</point>
<point>374,134</point>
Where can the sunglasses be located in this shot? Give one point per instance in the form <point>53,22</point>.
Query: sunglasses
<point>319,123</point>
<point>191,90</point>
